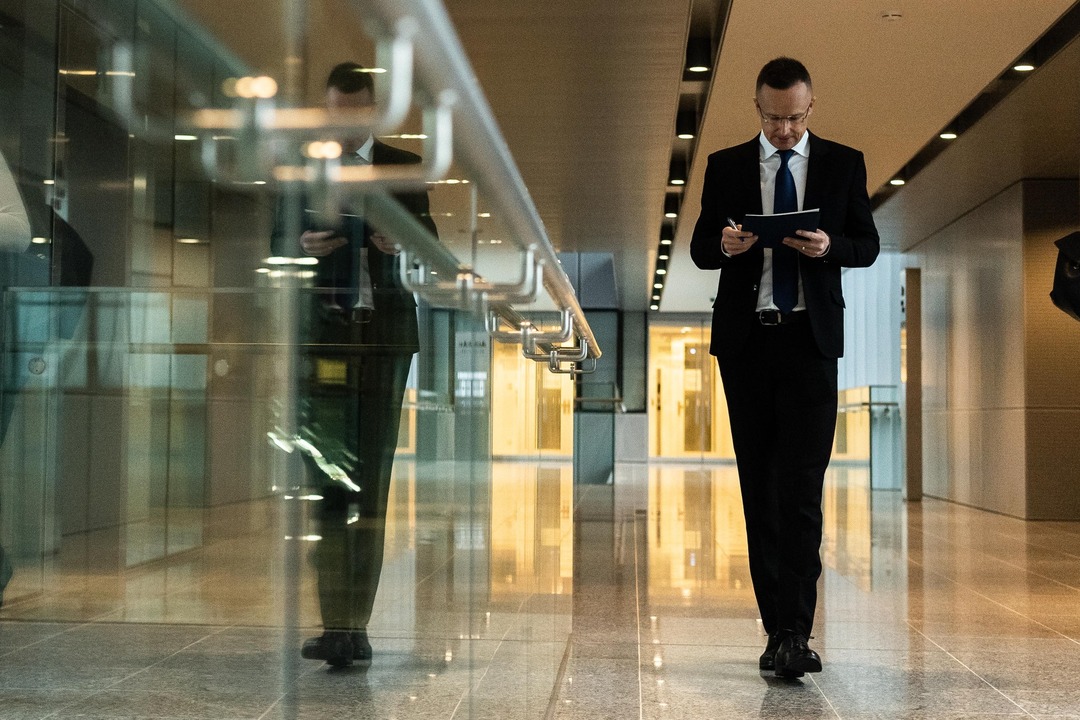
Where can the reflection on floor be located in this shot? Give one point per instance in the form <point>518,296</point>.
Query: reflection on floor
<point>929,610</point>
<point>472,617</point>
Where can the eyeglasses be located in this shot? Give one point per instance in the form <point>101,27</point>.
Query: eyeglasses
<point>781,119</point>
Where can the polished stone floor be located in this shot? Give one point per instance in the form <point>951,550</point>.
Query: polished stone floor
<point>927,610</point>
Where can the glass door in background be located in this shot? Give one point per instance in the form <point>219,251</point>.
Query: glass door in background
<point>687,410</point>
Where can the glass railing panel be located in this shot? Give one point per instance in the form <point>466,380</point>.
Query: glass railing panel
<point>186,405</point>
<point>868,431</point>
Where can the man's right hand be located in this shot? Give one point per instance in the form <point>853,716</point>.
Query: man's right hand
<point>321,242</point>
<point>735,242</point>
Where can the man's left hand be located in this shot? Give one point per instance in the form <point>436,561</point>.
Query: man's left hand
<point>384,245</point>
<point>811,243</point>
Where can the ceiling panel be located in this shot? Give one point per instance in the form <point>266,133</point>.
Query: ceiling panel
<point>885,87</point>
<point>585,93</point>
<point>1030,134</point>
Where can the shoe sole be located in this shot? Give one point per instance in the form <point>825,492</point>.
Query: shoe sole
<point>337,659</point>
<point>798,670</point>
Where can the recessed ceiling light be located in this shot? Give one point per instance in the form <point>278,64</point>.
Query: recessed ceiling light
<point>1026,63</point>
<point>686,124</point>
<point>896,181</point>
<point>677,172</point>
<point>947,135</point>
<point>671,205</point>
<point>699,55</point>
<point>654,307</point>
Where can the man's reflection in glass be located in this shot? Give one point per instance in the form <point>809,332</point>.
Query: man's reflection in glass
<point>359,335</point>
<point>14,238</point>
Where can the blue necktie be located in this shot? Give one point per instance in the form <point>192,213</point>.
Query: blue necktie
<point>785,260</point>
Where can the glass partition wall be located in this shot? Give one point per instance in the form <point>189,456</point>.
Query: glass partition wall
<point>204,450</point>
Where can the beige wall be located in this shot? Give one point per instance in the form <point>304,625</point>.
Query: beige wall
<point>1001,375</point>
<point>256,32</point>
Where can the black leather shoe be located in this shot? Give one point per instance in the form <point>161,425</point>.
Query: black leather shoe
<point>794,658</point>
<point>361,648</point>
<point>767,661</point>
<point>333,646</point>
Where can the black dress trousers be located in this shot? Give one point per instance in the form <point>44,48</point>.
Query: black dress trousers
<point>781,396</point>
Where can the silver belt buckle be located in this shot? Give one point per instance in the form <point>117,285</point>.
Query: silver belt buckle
<point>769,317</point>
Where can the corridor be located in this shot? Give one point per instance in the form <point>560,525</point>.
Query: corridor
<point>928,610</point>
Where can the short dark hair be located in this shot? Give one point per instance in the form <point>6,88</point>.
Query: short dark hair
<point>350,77</point>
<point>783,72</point>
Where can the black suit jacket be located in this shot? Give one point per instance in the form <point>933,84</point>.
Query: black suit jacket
<point>392,328</point>
<point>835,183</point>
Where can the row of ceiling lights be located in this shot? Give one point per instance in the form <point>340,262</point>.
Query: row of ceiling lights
<point>1024,64</point>
<point>1059,35</point>
<point>698,65</point>
<point>699,62</point>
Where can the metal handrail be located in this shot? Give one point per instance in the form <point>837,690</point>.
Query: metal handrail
<point>479,146</point>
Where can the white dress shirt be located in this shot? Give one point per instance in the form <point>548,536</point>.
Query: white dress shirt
<point>363,153</point>
<point>769,163</point>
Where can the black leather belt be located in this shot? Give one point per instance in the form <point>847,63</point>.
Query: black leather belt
<point>361,314</point>
<point>775,317</point>
<point>357,315</point>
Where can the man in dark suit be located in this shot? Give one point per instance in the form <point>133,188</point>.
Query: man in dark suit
<point>359,334</point>
<point>778,329</point>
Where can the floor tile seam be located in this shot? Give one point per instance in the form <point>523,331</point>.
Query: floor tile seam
<point>1003,561</point>
<point>966,667</point>
<point>560,680</point>
<point>995,602</point>
<point>1038,575</point>
<point>445,563</point>
<point>637,614</point>
<point>498,645</point>
<point>283,696</point>
<point>946,540</point>
<point>825,697</point>
<point>154,664</point>
<point>85,695</point>
<point>70,627</point>
<point>19,648</point>
<point>849,580</point>
<point>1027,543</point>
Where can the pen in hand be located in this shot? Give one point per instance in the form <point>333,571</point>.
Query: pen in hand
<point>733,226</point>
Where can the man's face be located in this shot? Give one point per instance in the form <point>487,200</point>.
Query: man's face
<point>783,113</point>
<point>337,100</point>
